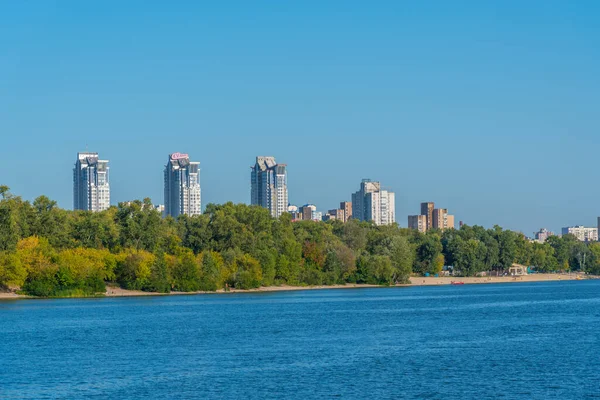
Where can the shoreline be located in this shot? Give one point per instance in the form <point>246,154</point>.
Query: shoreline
<point>112,291</point>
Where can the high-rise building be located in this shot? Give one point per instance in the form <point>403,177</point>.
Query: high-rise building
<point>182,186</point>
<point>442,220</point>
<point>371,203</point>
<point>269,185</point>
<point>582,233</point>
<point>91,183</point>
<point>347,207</point>
<point>427,210</point>
<point>418,222</point>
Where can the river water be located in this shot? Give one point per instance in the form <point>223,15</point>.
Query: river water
<point>511,341</point>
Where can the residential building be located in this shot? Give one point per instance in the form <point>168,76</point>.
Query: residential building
<point>542,235</point>
<point>182,186</point>
<point>427,210</point>
<point>338,214</point>
<point>442,220</point>
<point>582,233</point>
<point>317,216</point>
<point>310,213</point>
<point>295,212</point>
<point>347,207</point>
<point>371,203</point>
<point>418,222</point>
<point>91,183</point>
<point>269,185</point>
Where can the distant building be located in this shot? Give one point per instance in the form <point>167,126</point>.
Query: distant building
<point>310,213</point>
<point>295,212</point>
<point>317,216</point>
<point>160,208</point>
<point>371,203</point>
<point>347,207</point>
<point>442,220</point>
<point>91,183</point>
<point>338,214</point>
<point>269,185</point>
<point>582,233</point>
<point>542,235</point>
<point>427,210</point>
<point>182,186</point>
<point>418,222</point>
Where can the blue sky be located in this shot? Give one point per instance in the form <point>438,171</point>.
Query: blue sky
<point>490,109</point>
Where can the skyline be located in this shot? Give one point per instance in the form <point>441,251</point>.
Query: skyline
<point>481,107</point>
<point>424,213</point>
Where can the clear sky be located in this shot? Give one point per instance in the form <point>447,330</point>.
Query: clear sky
<point>490,109</point>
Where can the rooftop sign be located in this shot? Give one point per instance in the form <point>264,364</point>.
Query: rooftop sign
<point>177,156</point>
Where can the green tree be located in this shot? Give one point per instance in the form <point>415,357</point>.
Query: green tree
<point>212,267</point>
<point>469,257</point>
<point>507,248</point>
<point>402,257</point>
<point>248,273</point>
<point>429,248</point>
<point>159,280</point>
<point>563,250</point>
<point>139,225</point>
<point>593,263</point>
<point>186,273</point>
<point>36,256</point>
<point>12,272</point>
<point>133,268</point>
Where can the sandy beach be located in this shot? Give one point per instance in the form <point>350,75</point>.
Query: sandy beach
<point>11,295</point>
<point>112,291</point>
<point>447,280</point>
<point>414,281</point>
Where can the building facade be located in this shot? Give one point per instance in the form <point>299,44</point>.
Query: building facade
<point>442,220</point>
<point>337,214</point>
<point>268,182</point>
<point>418,222</point>
<point>182,186</point>
<point>371,203</point>
<point>427,211</point>
<point>91,183</point>
<point>347,207</point>
<point>582,233</point>
<point>542,235</point>
<point>310,213</point>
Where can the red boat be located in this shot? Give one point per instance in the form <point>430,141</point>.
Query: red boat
<point>456,283</point>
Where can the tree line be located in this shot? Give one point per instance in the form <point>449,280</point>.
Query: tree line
<point>49,251</point>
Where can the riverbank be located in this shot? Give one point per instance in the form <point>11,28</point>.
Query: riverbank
<point>448,280</point>
<point>118,292</point>
<point>414,281</point>
<point>113,291</point>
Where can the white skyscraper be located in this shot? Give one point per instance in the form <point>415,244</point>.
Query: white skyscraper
<point>269,185</point>
<point>182,186</point>
<point>91,184</point>
<point>371,203</point>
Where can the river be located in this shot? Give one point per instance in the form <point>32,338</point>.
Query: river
<point>523,340</point>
